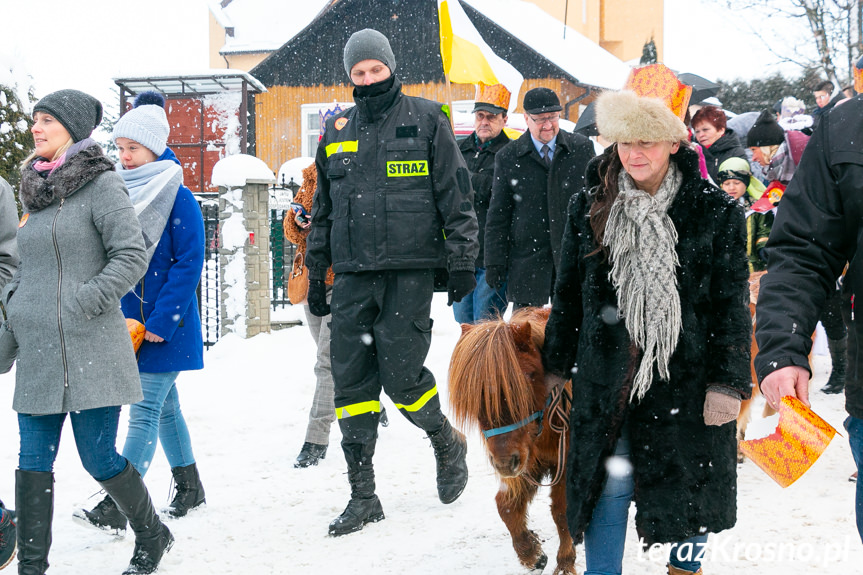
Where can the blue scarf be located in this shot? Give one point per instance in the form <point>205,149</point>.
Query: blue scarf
<point>153,188</point>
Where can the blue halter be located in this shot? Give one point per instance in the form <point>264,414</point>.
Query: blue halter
<point>519,424</point>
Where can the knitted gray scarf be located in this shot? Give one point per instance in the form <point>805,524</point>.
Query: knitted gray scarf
<point>641,239</point>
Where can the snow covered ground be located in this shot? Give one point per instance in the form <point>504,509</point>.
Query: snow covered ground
<point>247,411</point>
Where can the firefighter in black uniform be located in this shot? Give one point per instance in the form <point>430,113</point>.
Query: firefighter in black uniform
<point>393,203</point>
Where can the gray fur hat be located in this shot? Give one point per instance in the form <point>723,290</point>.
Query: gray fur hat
<point>147,125</point>
<point>79,113</point>
<point>625,117</point>
<point>368,44</point>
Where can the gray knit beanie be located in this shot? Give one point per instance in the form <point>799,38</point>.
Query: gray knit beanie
<point>147,125</point>
<point>79,113</point>
<point>368,44</point>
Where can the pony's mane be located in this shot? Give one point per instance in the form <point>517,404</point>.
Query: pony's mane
<point>484,374</point>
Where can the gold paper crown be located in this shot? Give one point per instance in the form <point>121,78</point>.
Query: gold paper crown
<point>496,95</point>
<point>800,439</point>
<point>658,81</point>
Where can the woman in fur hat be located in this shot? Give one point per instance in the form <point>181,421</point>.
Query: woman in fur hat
<point>649,320</point>
<point>81,250</point>
<point>165,301</point>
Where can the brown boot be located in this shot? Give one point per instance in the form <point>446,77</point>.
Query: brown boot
<point>672,570</point>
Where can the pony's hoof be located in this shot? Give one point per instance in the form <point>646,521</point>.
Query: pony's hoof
<point>540,564</point>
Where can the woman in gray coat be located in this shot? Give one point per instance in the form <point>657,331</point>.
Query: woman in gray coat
<point>81,250</point>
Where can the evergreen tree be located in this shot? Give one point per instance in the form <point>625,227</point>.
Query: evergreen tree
<point>740,96</point>
<point>16,142</point>
<point>648,53</point>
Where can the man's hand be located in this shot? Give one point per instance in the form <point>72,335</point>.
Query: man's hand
<point>791,380</point>
<point>494,276</point>
<point>317,298</point>
<point>459,285</point>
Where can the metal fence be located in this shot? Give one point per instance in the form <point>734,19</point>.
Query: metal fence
<point>209,293</point>
<point>282,257</point>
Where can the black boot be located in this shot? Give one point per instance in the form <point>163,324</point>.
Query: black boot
<point>364,506</point>
<point>450,451</point>
<point>310,454</point>
<point>839,357</point>
<point>190,492</point>
<point>34,501</point>
<point>8,542</point>
<point>152,538</point>
<point>105,517</point>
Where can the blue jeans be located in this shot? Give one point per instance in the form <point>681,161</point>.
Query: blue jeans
<point>484,302</point>
<point>854,427</point>
<point>158,417</point>
<point>95,436</point>
<point>605,536</point>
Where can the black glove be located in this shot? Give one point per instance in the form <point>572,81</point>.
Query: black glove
<point>317,298</point>
<point>494,276</point>
<point>459,285</point>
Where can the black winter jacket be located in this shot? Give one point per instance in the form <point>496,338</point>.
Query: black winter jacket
<point>480,164</point>
<point>817,230</point>
<point>685,472</point>
<point>727,146</point>
<point>393,190</point>
<point>528,212</point>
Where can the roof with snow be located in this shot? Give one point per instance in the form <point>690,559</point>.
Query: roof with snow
<point>314,56</point>
<point>262,25</point>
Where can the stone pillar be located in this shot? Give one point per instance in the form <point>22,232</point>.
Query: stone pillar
<point>245,258</point>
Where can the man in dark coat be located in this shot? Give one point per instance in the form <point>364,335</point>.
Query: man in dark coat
<point>479,150</point>
<point>534,177</point>
<point>817,230</point>
<point>393,203</point>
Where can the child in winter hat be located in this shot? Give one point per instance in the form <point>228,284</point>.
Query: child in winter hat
<point>147,125</point>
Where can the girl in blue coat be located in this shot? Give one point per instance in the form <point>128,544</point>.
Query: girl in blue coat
<point>164,301</point>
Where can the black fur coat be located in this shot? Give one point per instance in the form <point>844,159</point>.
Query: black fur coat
<point>685,472</point>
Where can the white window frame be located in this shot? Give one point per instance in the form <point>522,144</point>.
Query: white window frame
<point>309,135</point>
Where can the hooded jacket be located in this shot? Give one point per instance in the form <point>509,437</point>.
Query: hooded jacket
<point>685,472</point>
<point>81,249</point>
<point>393,190</point>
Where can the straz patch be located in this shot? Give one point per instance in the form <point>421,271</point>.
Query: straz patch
<point>406,169</point>
<point>340,123</point>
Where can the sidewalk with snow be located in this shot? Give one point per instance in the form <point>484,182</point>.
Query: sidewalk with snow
<point>247,413</point>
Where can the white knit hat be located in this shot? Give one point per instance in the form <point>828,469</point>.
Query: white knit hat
<point>147,125</point>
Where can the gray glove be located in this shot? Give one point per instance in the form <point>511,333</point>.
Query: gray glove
<point>720,408</point>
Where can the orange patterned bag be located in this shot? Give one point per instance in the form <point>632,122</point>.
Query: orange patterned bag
<point>136,331</point>
<point>799,440</point>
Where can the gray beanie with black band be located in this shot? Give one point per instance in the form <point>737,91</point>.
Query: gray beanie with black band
<point>79,113</point>
<point>368,44</point>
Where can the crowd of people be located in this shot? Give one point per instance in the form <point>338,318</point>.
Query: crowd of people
<point>643,253</point>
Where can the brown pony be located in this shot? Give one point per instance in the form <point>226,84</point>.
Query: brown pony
<point>496,384</point>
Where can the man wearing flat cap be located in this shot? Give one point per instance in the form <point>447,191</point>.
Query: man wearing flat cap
<point>393,203</point>
<point>534,177</point>
<point>479,150</point>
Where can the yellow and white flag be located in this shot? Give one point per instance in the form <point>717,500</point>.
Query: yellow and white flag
<point>467,59</point>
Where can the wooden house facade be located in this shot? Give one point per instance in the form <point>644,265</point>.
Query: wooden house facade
<point>307,73</point>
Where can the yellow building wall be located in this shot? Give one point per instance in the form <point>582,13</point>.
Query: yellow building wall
<point>621,27</point>
<point>244,61</point>
<point>278,112</point>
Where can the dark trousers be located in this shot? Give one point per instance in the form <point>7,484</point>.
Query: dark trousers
<point>380,337</point>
